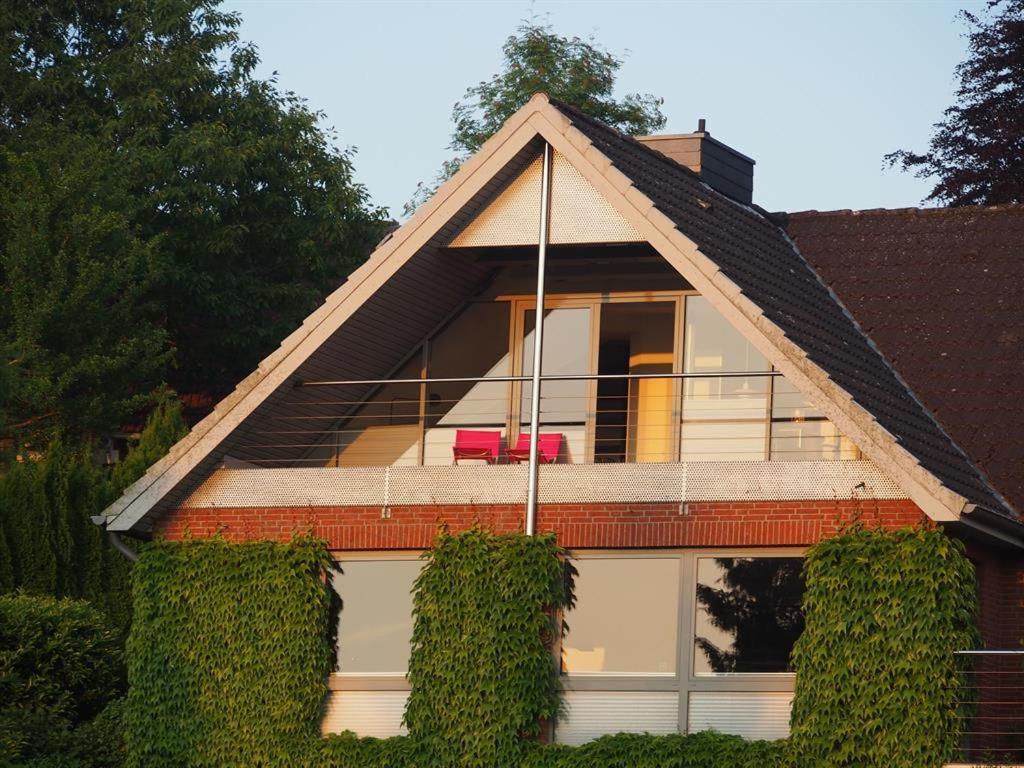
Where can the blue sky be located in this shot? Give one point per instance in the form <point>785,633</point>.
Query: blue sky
<point>816,92</point>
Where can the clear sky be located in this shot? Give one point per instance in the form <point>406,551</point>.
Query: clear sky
<point>815,92</point>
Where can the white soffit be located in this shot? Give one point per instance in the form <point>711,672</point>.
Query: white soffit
<point>579,213</point>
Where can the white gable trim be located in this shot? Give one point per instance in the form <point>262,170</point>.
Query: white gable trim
<point>539,117</point>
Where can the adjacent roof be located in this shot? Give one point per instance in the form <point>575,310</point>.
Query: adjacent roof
<point>939,291</point>
<point>744,263</point>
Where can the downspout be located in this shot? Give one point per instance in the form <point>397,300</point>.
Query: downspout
<point>115,540</point>
<point>538,341</point>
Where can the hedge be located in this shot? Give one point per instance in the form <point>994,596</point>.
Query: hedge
<point>60,675</point>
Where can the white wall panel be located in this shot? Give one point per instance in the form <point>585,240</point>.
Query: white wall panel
<point>590,714</point>
<point>560,483</point>
<point>365,713</point>
<point>753,715</point>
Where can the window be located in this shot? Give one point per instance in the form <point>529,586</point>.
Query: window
<point>626,617</point>
<point>734,408</point>
<point>374,629</point>
<point>747,613</point>
<point>564,405</point>
<point>799,430</point>
<point>663,642</point>
<point>724,418</point>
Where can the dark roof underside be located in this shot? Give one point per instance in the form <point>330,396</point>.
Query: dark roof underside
<point>939,291</point>
<point>757,255</point>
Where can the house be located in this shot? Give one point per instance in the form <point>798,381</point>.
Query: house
<point>719,389</point>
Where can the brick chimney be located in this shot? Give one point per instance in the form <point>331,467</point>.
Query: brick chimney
<point>719,165</point>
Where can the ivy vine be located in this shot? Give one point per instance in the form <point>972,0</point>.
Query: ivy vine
<point>481,668</point>
<point>227,658</point>
<point>876,677</point>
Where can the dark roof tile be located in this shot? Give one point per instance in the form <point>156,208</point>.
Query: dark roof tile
<point>939,290</point>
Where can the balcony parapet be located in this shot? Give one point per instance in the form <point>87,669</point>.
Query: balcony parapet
<point>692,481</point>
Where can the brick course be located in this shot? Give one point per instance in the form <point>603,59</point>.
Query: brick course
<point>772,523</point>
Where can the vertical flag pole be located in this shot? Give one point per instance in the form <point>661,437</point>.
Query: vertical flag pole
<point>538,341</point>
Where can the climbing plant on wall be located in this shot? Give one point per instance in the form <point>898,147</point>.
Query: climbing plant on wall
<point>227,658</point>
<point>877,680</point>
<point>481,669</point>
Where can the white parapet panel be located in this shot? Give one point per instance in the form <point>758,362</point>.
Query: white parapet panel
<point>752,715</point>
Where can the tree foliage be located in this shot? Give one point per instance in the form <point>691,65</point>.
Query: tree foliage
<point>79,338</point>
<point>578,71</point>
<point>139,144</point>
<point>976,153</point>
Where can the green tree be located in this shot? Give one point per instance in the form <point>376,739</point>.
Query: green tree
<point>80,340</point>
<point>244,208</point>
<point>976,153</point>
<point>536,59</point>
<point>164,427</point>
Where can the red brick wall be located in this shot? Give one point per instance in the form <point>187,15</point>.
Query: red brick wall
<point>998,725</point>
<point>775,523</point>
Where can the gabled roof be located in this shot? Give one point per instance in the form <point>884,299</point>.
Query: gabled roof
<point>939,291</point>
<point>743,263</point>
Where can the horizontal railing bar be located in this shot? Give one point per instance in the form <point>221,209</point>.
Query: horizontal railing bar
<point>545,377</point>
<point>992,652</point>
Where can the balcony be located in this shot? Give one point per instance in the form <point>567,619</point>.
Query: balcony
<point>646,396</point>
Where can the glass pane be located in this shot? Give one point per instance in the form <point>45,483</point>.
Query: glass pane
<point>789,403</point>
<point>626,617</point>
<point>474,345</point>
<point>563,404</point>
<point>636,417</point>
<point>385,429</point>
<point>375,622</point>
<point>810,440</point>
<point>712,345</point>
<point>748,613</point>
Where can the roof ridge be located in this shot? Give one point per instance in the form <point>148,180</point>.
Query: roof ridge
<point>922,211</point>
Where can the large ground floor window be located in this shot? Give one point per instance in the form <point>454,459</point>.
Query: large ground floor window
<point>373,634</point>
<point>658,641</point>
<point>666,642</point>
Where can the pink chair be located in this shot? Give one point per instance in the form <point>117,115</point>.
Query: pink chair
<point>476,444</point>
<point>549,445</point>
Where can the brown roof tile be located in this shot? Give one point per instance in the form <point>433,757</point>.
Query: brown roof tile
<point>940,292</point>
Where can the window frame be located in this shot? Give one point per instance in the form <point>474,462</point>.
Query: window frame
<point>685,681</point>
<point>395,681</point>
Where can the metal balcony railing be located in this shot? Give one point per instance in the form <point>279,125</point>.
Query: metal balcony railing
<point>991,695</point>
<point>596,418</point>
